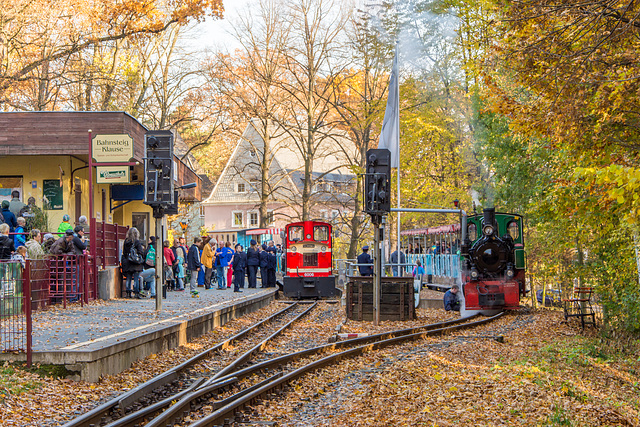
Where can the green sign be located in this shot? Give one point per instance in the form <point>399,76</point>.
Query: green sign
<point>52,191</point>
<point>112,174</point>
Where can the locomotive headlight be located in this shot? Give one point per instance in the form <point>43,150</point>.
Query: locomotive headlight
<point>487,230</point>
<point>474,273</point>
<point>323,249</point>
<point>509,273</point>
<point>294,249</point>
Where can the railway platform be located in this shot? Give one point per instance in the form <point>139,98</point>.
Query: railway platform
<point>106,337</point>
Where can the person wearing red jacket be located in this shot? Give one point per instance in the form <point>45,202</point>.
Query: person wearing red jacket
<point>169,260</point>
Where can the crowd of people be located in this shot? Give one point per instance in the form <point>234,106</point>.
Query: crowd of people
<point>20,240</point>
<point>206,263</point>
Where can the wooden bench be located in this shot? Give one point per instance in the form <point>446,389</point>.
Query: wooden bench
<point>580,306</point>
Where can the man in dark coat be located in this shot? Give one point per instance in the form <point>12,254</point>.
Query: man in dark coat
<point>272,265</point>
<point>239,265</point>
<point>78,240</point>
<point>365,258</point>
<point>451,301</point>
<point>264,262</point>
<point>193,264</point>
<point>9,217</point>
<point>7,245</point>
<point>64,245</point>
<point>253,263</point>
<point>130,269</point>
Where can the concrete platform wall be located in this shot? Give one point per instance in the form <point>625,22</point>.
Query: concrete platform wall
<point>116,357</point>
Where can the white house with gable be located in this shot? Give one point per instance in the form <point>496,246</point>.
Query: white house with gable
<point>231,210</point>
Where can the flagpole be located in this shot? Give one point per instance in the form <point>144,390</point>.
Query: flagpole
<point>398,151</point>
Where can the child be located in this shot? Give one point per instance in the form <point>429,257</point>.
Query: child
<point>20,255</point>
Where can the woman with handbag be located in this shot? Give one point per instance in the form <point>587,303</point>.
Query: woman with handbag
<point>132,261</point>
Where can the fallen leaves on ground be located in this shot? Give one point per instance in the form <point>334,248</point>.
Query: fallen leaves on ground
<point>545,373</point>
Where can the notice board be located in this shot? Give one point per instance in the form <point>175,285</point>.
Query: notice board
<point>52,192</point>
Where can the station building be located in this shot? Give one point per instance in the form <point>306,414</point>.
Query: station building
<point>45,155</point>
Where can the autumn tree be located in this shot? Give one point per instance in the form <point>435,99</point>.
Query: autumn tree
<point>43,42</point>
<point>359,98</point>
<point>247,79</point>
<point>561,77</point>
<point>312,64</point>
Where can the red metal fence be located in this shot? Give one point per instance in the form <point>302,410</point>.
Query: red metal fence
<point>108,237</point>
<point>71,278</point>
<point>55,279</point>
<point>40,283</point>
<point>15,315</point>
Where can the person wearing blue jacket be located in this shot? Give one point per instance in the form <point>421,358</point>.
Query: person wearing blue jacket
<point>19,238</point>
<point>451,301</point>
<point>239,266</point>
<point>9,217</point>
<point>193,264</point>
<point>264,262</point>
<point>253,263</point>
<point>217,264</point>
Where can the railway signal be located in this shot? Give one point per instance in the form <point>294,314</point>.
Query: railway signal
<point>158,169</point>
<point>378,182</point>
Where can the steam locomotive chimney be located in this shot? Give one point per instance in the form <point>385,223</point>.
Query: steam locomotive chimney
<point>489,216</point>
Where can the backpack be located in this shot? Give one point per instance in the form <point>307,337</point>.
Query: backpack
<point>133,256</point>
<point>151,257</point>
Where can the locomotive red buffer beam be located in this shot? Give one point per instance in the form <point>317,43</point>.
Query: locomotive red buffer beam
<point>489,294</point>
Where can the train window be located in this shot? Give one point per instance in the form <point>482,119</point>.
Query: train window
<point>513,230</point>
<point>321,234</point>
<point>295,233</point>
<point>473,232</point>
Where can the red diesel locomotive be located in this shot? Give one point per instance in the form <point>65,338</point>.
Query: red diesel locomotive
<point>308,261</point>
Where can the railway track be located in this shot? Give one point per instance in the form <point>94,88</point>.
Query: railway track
<point>292,366</point>
<point>160,391</point>
<point>213,401</point>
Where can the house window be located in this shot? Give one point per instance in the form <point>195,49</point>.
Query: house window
<point>241,187</point>
<point>334,214</point>
<point>237,219</point>
<point>269,217</point>
<point>201,211</point>
<point>253,219</point>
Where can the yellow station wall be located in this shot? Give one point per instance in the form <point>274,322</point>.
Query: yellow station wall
<point>39,168</point>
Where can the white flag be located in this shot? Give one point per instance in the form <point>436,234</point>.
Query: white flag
<point>390,134</point>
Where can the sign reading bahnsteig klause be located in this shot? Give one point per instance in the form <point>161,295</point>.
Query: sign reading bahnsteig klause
<point>114,148</point>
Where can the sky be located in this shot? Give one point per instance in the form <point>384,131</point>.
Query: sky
<point>214,34</point>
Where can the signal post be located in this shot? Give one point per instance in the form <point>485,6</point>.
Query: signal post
<point>377,204</point>
<point>159,190</point>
